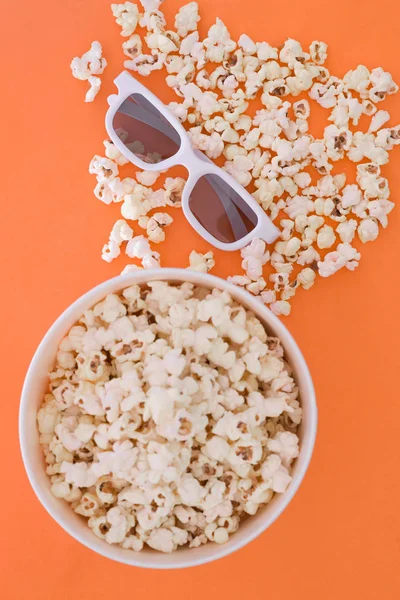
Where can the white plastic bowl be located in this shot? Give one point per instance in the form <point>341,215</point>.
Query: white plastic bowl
<point>36,383</point>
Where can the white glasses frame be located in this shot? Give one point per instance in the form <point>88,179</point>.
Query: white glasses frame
<point>194,161</point>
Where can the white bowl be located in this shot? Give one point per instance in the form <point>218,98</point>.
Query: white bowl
<point>36,383</point>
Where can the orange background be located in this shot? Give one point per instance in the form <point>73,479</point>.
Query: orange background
<point>340,537</point>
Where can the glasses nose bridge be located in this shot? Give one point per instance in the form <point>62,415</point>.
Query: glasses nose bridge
<point>199,161</point>
<point>193,160</point>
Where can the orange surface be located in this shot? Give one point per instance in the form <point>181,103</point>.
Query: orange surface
<point>340,537</point>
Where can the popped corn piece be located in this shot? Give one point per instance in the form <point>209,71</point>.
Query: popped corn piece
<point>318,52</point>
<point>268,296</point>
<point>357,79</point>
<point>95,84</point>
<point>161,42</point>
<point>221,535</point>
<point>286,445</point>
<point>155,226</point>
<point>298,205</point>
<point>302,179</point>
<point>173,191</point>
<point>88,67</point>
<point>147,178</point>
<point>382,85</point>
<point>240,280</point>
<point>301,109</point>
<point>188,44</point>
<point>363,145</point>
<point>274,474</point>
<point>266,52</point>
<point>344,256</point>
<point>291,52</point>
<point>280,307</point>
<point>218,43</point>
<point>144,64</point>
<point>346,230</point>
<point>133,46</point>
<point>139,247</point>
<point>254,257</point>
<point>379,209</point>
<point>88,505</point>
<point>256,287</point>
<point>351,196</point>
<point>201,262</point>
<point>48,417</point>
<point>306,278</point>
<point>127,16</point>
<point>129,269</point>
<point>368,230</point>
<point>161,539</point>
<point>247,44</point>
<point>240,168</point>
<point>133,542</point>
<point>91,63</point>
<point>121,232</point>
<point>380,118</point>
<point>112,152</point>
<point>103,192</point>
<point>326,237</point>
<point>103,168</point>
<point>186,19</point>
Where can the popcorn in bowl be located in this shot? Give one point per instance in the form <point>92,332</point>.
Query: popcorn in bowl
<point>172,415</point>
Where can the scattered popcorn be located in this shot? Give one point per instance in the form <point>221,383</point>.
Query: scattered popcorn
<point>139,247</point>
<point>127,15</point>
<point>368,230</point>
<point>240,168</point>
<point>133,46</point>
<point>351,196</point>
<point>318,52</point>
<point>306,278</point>
<point>103,168</point>
<point>90,63</point>
<point>129,269</point>
<point>382,84</point>
<point>155,226</point>
<point>147,430</point>
<point>254,257</point>
<point>326,237</point>
<point>280,307</point>
<point>344,256</point>
<point>247,44</point>
<point>346,230</point>
<point>268,296</point>
<point>201,262</point>
<point>112,152</point>
<point>121,232</point>
<point>95,84</point>
<point>147,178</point>
<point>187,18</point>
<point>288,170</point>
<point>380,118</point>
<point>87,67</point>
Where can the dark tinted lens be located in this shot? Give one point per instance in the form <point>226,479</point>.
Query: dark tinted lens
<point>145,131</point>
<point>221,211</point>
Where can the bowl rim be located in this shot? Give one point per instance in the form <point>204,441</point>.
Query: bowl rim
<point>241,295</point>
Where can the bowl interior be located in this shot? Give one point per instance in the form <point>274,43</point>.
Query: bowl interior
<point>36,383</point>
